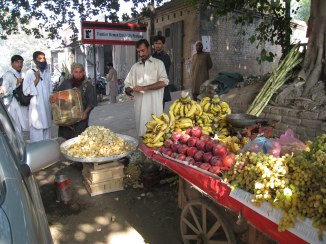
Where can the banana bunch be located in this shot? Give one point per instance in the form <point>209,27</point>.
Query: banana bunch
<point>205,121</point>
<point>185,107</point>
<point>182,124</point>
<point>156,130</point>
<point>234,143</point>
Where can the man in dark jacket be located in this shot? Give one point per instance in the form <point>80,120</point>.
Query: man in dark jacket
<point>160,54</point>
<point>87,90</point>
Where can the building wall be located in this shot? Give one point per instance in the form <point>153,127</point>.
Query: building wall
<point>229,51</point>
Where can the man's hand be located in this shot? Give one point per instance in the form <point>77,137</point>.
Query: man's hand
<point>84,115</point>
<point>19,80</point>
<point>129,91</point>
<point>139,89</point>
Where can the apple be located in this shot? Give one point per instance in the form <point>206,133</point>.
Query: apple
<point>192,141</point>
<point>215,170</point>
<point>168,143</point>
<point>196,131</point>
<point>201,145</point>
<point>181,157</point>
<point>199,156</point>
<point>228,160</point>
<point>182,149</point>
<point>205,166</point>
<point>209,145</point>
<point>207,157</point>
<point>184,138</point>
<point>219,150</point>
<point>190,160</point>
<point>167,151</point>
<point>175,147</point>
<point>176,136</point>
<point>216,161</point>
<point>161,149</point>
<point>191,151</point>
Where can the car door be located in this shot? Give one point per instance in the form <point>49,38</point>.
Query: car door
<point>22,204</point>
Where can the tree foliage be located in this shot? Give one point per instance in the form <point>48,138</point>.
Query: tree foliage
<point>274,25</point>
<point>51,16</point>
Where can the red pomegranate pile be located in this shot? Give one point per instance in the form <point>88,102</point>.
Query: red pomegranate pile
<point>199,150</point>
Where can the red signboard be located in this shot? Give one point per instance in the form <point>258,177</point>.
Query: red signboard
<point>111,33</point>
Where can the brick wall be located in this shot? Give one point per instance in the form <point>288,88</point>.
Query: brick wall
<point>305,124</point>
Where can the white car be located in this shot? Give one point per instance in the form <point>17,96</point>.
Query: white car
<point>22,215</point>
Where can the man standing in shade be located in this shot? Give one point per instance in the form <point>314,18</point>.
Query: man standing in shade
<point>38,83</point>
<point>201,64</point>
<point>112,83</point>
<point>145,82</point>
<point>11,79</point>
<point>160,54</point>
<point>87,91</point>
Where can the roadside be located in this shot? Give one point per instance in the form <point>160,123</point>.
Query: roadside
<point>129,216</point>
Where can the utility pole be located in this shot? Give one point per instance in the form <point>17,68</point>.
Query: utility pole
<point>152,19</point>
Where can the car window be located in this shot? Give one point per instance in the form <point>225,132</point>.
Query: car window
<point>10,132</point>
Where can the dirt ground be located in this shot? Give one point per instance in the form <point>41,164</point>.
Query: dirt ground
<point>127,216</point>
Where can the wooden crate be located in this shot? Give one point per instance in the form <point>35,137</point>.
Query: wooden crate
<point>96,166</point>
<point>103,187</point>
<point>112,170</point>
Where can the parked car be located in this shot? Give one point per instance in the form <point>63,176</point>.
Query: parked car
<point>22,215</point>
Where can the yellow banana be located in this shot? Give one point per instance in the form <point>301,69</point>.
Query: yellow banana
<point>215,99</point>
<point>158,136</point>
<point>164,117</point>
<point>177,108</point>
<point>204,101</point>
<point>182,111</point>
<point>174,104</point>
<point>199,109</point>
<point>206,107</point>
<point>158,121</point>
<point>151,124</point>
<point>185,120</point>
<point>172,119</point>
<point>158,144</point>
<point>192,111</point>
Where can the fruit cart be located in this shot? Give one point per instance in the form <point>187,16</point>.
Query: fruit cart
<point>226,216</point>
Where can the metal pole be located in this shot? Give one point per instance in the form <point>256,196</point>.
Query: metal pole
<point>152,18</point>
<point>94,65</point>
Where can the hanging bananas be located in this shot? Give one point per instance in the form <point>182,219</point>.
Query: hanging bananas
<point>156,130</point>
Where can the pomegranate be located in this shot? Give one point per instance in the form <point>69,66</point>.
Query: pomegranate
<point>196,131</point>
<point>190,160</point>
<point>176,136</point>
<point>205,166</point>
<point>188,131</point>
<point>209,145</point>
<point>216,161</point>
<point>219,150</point>
<point>167,151</point>
<point>228,160</point>
<point>174,155</point>
<point>184,138</point>
<point>207,157</point>
<point>182,149</point>
<point>205,138</point>
<point>175,147</point>
<point>191,151</point>
<point>181,157</point>
<point>199,156</point>
<point>192,141</point>
<point>215,170</point>
<point>168,143</point>
<point>201,145</point>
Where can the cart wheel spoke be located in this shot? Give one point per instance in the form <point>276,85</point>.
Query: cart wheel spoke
<point>190,237</point>
<point>204,218</point>
<point>214,228</point>
<point>217,242</point>
<point>190,225</point>
<point>194,216</point>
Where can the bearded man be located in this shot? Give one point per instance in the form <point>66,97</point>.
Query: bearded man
<point>87,91</point>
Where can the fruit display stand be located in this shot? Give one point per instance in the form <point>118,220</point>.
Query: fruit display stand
<point>202,221</point>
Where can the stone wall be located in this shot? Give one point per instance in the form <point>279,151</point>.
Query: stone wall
<point>305,124</point>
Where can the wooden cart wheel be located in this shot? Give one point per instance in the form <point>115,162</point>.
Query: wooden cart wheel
<point>202,223</point>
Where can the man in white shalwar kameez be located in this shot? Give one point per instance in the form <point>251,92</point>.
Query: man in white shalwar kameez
<point>38,83</point>
<point>11,79</point>
<point>145,82</point>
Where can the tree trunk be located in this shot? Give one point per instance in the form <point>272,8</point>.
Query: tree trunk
<point>314,63</point>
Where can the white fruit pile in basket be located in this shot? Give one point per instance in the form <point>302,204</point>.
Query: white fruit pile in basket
<point>97,141</point>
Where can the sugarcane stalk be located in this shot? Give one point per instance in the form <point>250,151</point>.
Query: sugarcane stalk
<point>279,76</point>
